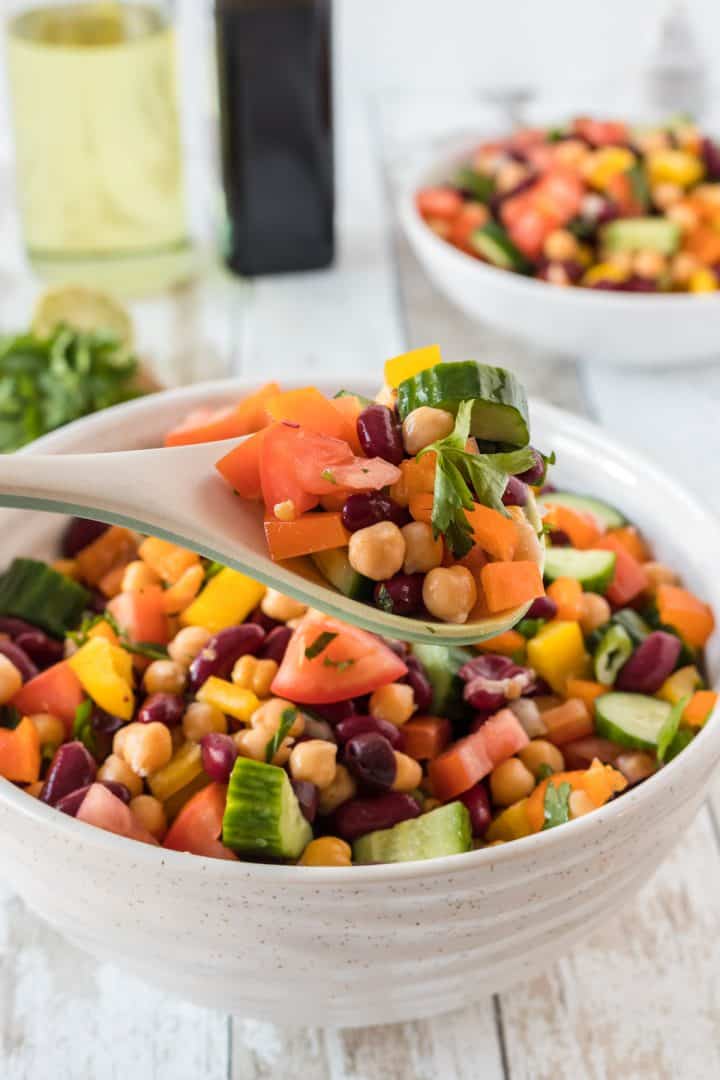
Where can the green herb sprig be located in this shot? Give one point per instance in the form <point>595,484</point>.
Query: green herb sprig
<point>670,728</point>
<point>273,745</point>
<point>556,807</point>
<point>82,726</point>
<point>138,648</point>
<point>320,644</point>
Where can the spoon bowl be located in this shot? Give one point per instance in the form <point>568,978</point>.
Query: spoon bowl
<point>176,493</point>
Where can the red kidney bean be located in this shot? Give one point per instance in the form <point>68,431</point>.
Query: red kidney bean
<point>358,725</point>
<point>635,765</point>
<point>71,768</point>
<point>275,644</point>
<point>535,473</point>
<point>218,756</point>
<point>70,804</point>
<point>368,508</point>
<point>259,617</point>
<point>651,663</point>
<point>544,607</point>
<point>579,753</point>
<point>558,538</point>
<point>78,533</point>
<point>359,816</point>
<point>371,759</point>
<point>380,434</point>
<point>42,650</point>
<point>19,658</point>
<point>337,711</point>
<point>221,652</point>
<point>636,284</point>
<point>478,804</point>
<point>162,708</point>
<point>491,680</point>
<point>12,626</point>
<point>105,723</point>
<point>711,159</point>
<point>401,594</point>
<point>308,797</point>
<point>515,493</point>
<point>421,685</point>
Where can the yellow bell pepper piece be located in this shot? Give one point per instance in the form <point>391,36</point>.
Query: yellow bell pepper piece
<point>604,271</point>
<point>511,824</point>
<point>607,163</point>
<point>105,672</point>
<point>408,364</point>
<point>557,653</point>
<point>227,599</point>
<point>675,167</point>
<point>702,281</point>
<point>680,684</point>
<point>228,698</point>
<point>183,768</point>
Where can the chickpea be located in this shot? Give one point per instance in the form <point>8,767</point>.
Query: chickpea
<point>115,768</point>
<point>422,551</point>
<point>146,747</point>
<point>150,812</point>
<point>138,576</point>
<point>187,644</point>
<point>165,677</point>
<point>683,267</point>
<point>378,551</point>
<point>327,851</point>
<point>342,788</point>
<point>622,261</point>
<point>556,274</point>
<point>510,175</point>
<point>394,703</point>
<point>594,612</point>
<point>51,730</point>
<point>450,593</point>
<point>651,142</point>
<point>269,716</point>
<point>314,760</point>
<point>285,510</point>
<point>200,719</point>
<point>659,574</point>
<point>539,752</point>
<point>10,679</point>
<point>571,152</point>
<point>408,773</point>
<point>387,395</point>
<point>649,264</point>
<point>277,606</point>
<point>510,781</point>
<point>424,426</point>
<point>256,675</point>
<point>666,195</point>
<point>683,215</point>
<point>560,245</point>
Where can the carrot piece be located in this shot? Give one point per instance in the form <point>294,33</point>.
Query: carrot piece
<point>241,467</point>
<point>581,529</point>
<point>169,561</point>
<point>704,243</point>
<point>20,753</point>
<point>349,407</point>
<point>112,548</point>
<point>309,408</point>
<point>425,737</point>
<point>508,584</point>
<point>493,532</point>
<point>418,477</point>
<point>209,425</point>
<point>699,707</point>
<point>111,584</point>
<point>507,644</point>
<point>421,506</point>
<point>571,720</point>
<point>586,690</point>
<point>632,541</point>
<point>692,618</point>
<point>567,594</point>
<point>308,533</point>
<point>629,579</point>
<point>600,782</point>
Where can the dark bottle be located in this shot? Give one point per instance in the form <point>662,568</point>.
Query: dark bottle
<point>275,106</point>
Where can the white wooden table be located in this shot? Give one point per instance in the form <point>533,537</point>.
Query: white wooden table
<point>640,997</point>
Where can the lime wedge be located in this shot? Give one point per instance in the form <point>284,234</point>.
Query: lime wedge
<point>82,309</point>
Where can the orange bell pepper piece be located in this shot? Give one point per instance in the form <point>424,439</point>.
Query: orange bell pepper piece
<point>349,407</point>
<point>20,753</point>
<point>493,532</point>
<point>632,541</point>
<point>115,547</point>
<point>421,506</point>
<point>567,594</point>
<point>241,467</point>
<point>509,584</point>
<point>571,720</point>
<point>680,609</point>
<point>310,409</point>
<point>507,644</point>
<point>586,690</point>
<point>600,782</point>
<point>209,425</point>
<point>581,529</point>
<point>699,707</point>
<point>308,533</point>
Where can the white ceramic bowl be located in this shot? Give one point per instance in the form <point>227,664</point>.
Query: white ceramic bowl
<point>604,327</point>
<point>373,944</point>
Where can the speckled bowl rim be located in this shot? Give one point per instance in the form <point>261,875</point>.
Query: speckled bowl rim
<point>585,830</point>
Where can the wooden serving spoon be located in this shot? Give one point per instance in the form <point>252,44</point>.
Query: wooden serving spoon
<point>176,494</point>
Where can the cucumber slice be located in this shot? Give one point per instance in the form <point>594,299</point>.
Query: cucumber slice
<point>33,591</point>
<point>594,569</point>
<point>262,814</point>
<point>480,186</point>
<point>614,650</point>
<point>500,410</point>
<point>606,516</point>
<point>493,243</point>
<point>682,739</point>
<point>442,663</point>
<point>335,567</point>
<point>445,831</point>
<point>632,720</point>
<point>635,625</point>
<point>642,233</point>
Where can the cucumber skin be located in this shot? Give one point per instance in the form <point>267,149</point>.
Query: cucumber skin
<point>500,412</point>
<point>608,516</point>
<point>335,568</point>
<point>262,814</point>
<point>33,591</point>
<point>441,664</point>
<point>632,234</point>
<point>445,831</point>
<point>493,243</point>
<point>597,584</point>
<point>608,729</point>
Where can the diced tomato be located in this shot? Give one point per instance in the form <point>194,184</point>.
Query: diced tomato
<point>279,457</point>
<point>474,757</point>
<point>559,194</point>
<point>141,615</point>
<point>470,217</point>
<point>525,138</point>
<point>620,189</point>
<point>354,663</point>
<point>629,579</point>
<point>198,826</point>
<point>104,810</point>
<point>57,690</point>
<point>601,132</point>
<point>529,231</point>
<point>349,406</point>
<point>442,203</point>
<point>365,474</point>
<point>228,422</point>
<point>241,467</point>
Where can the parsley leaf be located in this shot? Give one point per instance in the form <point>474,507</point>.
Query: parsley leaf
<point>461,479</point>
<point>286,722</point>
<point>383,599</point>
<point>339,665</point>
<point>557,805</point>
<point>670,728</point>
<point>319,645</point>
<point>138,648</point>
<point>327,474</point>
<point>545,771</point>
<point>82,726</point>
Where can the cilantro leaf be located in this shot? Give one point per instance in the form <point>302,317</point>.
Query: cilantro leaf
<point>557,805</point>
<point>138,648</point>
<point>339,665</point>
<point>670,728</point>
<point>545,771</point>
<point>82,726</point>
<point>273,745</point>
<point>319,645</point>
<point>327,474</point>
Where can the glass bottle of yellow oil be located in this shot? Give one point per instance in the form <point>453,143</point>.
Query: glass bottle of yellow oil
<point>98,146</point>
